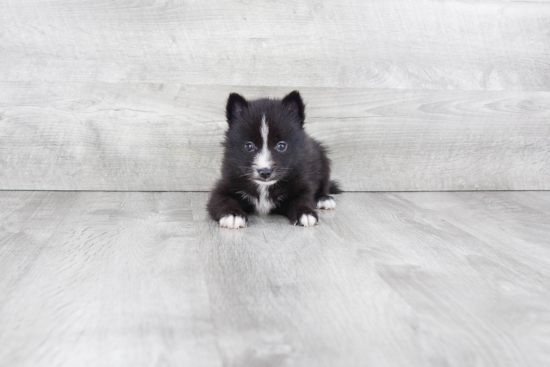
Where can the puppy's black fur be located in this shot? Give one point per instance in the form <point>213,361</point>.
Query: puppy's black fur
<point>301,172</point>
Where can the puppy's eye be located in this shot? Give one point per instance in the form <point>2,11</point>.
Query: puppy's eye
<point>281,146</point>
<point>249,146</point>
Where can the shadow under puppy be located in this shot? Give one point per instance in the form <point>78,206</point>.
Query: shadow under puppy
<point>270,164</point>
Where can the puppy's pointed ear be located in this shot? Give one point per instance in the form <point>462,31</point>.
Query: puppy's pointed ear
<point>293,101</point>
<point>235,106</point>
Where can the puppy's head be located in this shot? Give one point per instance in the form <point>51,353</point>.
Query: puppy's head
<point>265,139</point>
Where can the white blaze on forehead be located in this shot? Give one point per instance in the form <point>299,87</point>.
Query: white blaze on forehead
<point>264,130</point>
<point>263,158</point>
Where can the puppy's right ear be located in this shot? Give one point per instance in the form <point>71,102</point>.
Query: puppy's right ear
<point>293,101</point>
<point>235,106</point>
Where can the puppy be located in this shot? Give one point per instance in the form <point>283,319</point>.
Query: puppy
<point>270,164</point>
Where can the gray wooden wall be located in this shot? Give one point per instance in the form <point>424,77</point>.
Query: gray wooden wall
<point>408,95</point>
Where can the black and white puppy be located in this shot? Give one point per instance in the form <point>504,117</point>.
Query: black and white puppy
<point>270,164</point>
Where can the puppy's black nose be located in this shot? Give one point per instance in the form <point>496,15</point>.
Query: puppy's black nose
<point>264,172</point>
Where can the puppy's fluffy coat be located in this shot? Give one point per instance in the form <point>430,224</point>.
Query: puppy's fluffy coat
<point>270,164</point>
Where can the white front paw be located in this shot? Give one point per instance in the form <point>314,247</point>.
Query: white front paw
<point>233,221</point>
<point>308,220</point>
<point>326,203</point>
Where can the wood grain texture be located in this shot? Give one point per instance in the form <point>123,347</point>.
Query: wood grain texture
<point>387,279</point>
<point>408,95</point>
<point>114,279</point>
<point>141,136</point>
<point>426,44</point>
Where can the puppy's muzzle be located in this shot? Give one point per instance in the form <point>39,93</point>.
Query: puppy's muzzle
<point>264,173</point>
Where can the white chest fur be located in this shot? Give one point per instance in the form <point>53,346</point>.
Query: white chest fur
<point>263,203</point>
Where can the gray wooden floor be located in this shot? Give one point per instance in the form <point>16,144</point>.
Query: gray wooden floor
<point>388,279</point>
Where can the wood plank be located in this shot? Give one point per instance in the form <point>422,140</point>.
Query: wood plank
<point>75,113</point>
<point>518,266</point>
<point>303,296</point>
<point>540,200</point>
<point>387,279</point>
<point>379,282</point>
<point>102,279</point>
<point>20,243</point>
<point>504,211</point>
<point>427,44</point>
<point>141,136</point>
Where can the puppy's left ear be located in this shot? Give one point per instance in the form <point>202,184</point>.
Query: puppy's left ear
<point>293,101</point>
<point>236,104</point>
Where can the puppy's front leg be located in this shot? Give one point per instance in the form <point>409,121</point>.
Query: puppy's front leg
<point>227,211</point>
<point>300,210</point>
